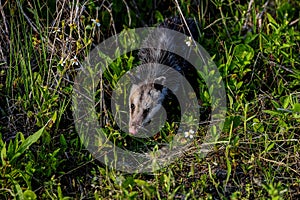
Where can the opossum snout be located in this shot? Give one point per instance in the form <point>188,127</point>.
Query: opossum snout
<point>132,130</point>
<point>144,103</point>
<point>140,120</point>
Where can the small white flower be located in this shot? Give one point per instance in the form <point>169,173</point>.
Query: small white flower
<point>192,131</point>
<point>189,134</point>
<point>56,30</point>
<point>96,21</point>
<point>75,60</point>
<point>186,134</point>
<point>188,42</point>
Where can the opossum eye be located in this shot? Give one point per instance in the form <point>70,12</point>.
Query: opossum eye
<point>132,106</point>
<point>146,111</point>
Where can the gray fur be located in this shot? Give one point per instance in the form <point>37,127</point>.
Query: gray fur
<point>150,85</point>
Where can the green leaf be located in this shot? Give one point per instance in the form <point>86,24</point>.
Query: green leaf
<point>250,37</point>
<point>159,17</point>
<point>229,169</point>
<point>46,139</point>
<point>235,121</point>
<point>133,195</point>
<point>275,103</point>
<point>271,112</point>
<point>128,182</point>
<point>88,27</point>
<point>296,107</point>
<point>27,143</point>
<point>140,183</point>
<point>174,192</point>
<point>239,85</point>
<point>3,154</point>
<point>59,192</point>
<point>258,126</point>
<point>243,52</point>
<point>230,101</point>
<point>29,195</point>
<point>271,19</point>
<point>12,147</point>
<point>17,189</point>
<point>286,102</point>
<point>270,147</point>
<point>63,141</point>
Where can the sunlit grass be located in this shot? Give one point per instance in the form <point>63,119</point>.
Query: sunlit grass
<point>256,48</point>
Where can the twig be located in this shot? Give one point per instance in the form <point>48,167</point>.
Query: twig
<point>27,18</point>
<point>259,15</point>
<point>248,15</point>
<point>56,21</point>
<point>2,57</point>
<point>138,14</point>
<point>128,12</point>
<point>185,23</point>
<point>5,33</point>
<point>254,65</point>
<point>294,22</point>
<point>280,66</point>
<point>4,20</point>
<point>279,164</point>
<point>111,18</point>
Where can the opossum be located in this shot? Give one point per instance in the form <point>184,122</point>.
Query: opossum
<point>148,92</point>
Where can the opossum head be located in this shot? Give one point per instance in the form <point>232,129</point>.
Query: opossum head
<point>145,100</point>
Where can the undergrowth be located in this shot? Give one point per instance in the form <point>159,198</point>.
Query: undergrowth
<point>256,48</point>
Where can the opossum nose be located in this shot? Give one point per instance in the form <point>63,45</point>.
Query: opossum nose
<point>133,131</point>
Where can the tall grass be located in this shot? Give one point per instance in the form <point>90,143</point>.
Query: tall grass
<point>256,48</point>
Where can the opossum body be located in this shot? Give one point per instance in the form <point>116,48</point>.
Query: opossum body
<point>148,91</point>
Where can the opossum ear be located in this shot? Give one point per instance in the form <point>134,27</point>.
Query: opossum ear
<point>160,80</point>
<point>134,79</point>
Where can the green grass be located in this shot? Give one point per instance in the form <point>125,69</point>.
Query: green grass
<point>256,48</point>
